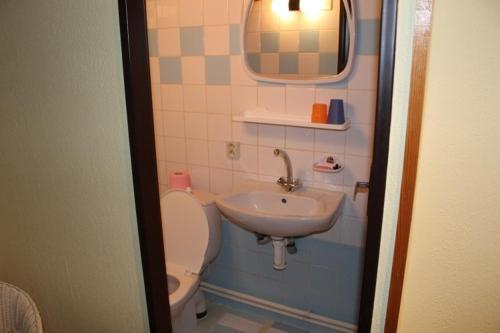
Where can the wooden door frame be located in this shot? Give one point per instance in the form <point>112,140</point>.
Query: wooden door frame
<point>135,55</point>
<point>421,43</point>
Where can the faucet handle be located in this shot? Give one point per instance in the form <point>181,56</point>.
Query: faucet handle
<point>281,181</point>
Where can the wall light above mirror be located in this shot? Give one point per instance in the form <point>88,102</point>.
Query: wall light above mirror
<point>298,41</point>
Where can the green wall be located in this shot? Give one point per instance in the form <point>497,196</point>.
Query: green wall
<point>68,230</point>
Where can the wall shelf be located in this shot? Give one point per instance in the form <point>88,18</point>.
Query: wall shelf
<point>287,120</point>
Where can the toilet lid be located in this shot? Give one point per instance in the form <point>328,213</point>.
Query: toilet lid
<point>185,230</point>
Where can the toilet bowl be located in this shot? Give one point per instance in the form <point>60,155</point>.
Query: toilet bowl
<point>192,235</point>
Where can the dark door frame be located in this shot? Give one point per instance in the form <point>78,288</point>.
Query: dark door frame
<point>142,148</point>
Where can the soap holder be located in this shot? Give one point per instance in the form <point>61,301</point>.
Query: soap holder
<point>328,165</point>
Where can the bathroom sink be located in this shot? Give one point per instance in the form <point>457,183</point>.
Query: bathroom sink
<point>267,209</point>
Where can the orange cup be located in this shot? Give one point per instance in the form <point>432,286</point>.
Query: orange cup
<point>319,113</point>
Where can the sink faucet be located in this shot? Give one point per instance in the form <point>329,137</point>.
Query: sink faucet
<point>289,184</point>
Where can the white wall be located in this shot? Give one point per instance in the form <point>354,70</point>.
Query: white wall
<point>67,218</point>
<point>452,276</point>
<point>453,270</point>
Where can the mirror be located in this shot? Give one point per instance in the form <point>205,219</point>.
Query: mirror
<point>298,41</point>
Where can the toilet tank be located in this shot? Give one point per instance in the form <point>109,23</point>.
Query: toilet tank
<point>207,200</point>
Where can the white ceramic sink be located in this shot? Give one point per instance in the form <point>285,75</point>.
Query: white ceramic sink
<point>267,209</point>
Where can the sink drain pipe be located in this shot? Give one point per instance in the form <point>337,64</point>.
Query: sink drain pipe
<point>279,245</point>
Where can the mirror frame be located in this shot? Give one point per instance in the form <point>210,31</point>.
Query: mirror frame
<point>350,8</point>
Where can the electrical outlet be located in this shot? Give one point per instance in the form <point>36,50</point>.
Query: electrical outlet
<point>233,150</point>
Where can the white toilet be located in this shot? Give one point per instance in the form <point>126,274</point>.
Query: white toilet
<point>192,235</point>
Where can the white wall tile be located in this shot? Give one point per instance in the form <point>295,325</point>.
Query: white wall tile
<point>361,106</point>
<point>357,168</point>
<point>175,150</point>
<point>272,136</point>
<point>299,138</point>
<point>162,173</point>
<point>243,99</point>
<point>217,157</point>
<point>167,13</point>
<point>151,17</point>
<point>272,98</point>
<point>197,152</point>
<point>169,42</point>
<point>299,100</point>
<point>160,148</point>
<point>200,177</point>
<point>194,98</point>
<point>221,181</point>
<point>270,63</point>
<point>173,124</point>
<point>238,74</point>
<point>235,11</point>
<point>330,141</point>
<point>308,63</point>
<point>172,97</point>
<point>240,177</point>
<point>248,161</point>
<point>270,165</point>
<point>219,127</point>
<point>156,96</point>
<point>325,95</point>
<point>215,12</point>
<point>216,40</point>
<point>190,12</point>
<point>193,70</point>
<point>196,125</point>
<point>253,42</point>
<point>364,73</point>
<point>245,133</point>
<point>158,121</point>
<point>219,99</point>
<point>355,208</point>
<point>328,41</point>
<point>359,140</point>
<point>289,41</point>
<point>154,67</point>
<point>302,162</point>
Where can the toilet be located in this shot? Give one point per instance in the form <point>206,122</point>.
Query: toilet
<point>191,226</point>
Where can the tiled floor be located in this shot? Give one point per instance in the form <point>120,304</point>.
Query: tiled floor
<point>221,319</point>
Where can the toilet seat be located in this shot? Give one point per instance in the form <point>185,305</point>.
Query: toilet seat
<point>185,230</point>
<point>188,284</point>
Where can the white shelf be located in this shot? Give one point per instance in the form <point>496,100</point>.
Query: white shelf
<point>286,120</point>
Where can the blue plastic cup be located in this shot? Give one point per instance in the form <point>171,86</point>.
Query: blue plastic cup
<point>336,113</point>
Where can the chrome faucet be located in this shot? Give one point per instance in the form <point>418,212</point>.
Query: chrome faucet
<point>289,184</point>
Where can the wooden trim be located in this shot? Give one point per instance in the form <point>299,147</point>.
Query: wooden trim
<point>378,172</point>
<point>421,41</point>
<point>135,55</point>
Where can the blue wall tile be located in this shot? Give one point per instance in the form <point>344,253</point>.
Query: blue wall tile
<point>217,70</point>
<point>170,70</point>
<point>309,41</point>
<point>289,63</point>
<point>153,42</point>
<point>234,39</point>
<point>368,37</point>
<point>192,41</point>
<point>323,277</point>
<point>253,60</point>
<point>328,63</point>
<point>269,42</point>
